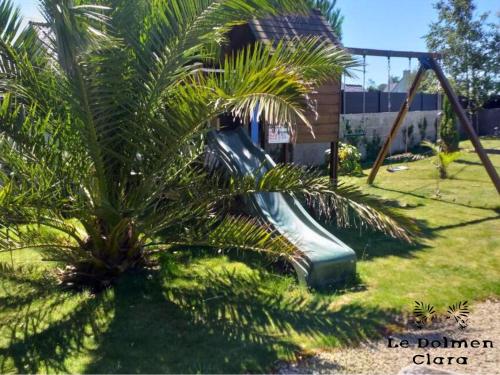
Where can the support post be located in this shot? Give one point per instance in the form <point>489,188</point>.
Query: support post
<point>397,124</point>
<point>284,153</point>
<point>262,134</point>
<point>334,162</point>
<point>465,122</point>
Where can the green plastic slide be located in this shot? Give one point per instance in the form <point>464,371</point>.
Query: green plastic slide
<point>324,260</point>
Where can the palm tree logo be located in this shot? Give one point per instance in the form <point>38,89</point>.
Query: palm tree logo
<point>459,312</point>
<point>424,313</point>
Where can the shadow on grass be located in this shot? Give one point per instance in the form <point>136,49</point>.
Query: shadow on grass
<point>465,223</point>
<point>225,322</point>
<point>492,151</point>
<point>371,245</point>
<point>468,162</point>
<point>36,335</point>
<point>402,192</point>
<point>211,323</point>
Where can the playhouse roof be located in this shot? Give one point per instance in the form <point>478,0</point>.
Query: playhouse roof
<point>292,26</point>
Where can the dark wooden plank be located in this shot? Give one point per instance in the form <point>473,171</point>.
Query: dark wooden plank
<point>306,29</point>
<point>318,139</point>
<point>305,133</point>
<point>391,53</point>
<point>324,110</point>
<point>328,90</point>
<point>317,129</point>
<point>288,27</point>
<point>325,121</point>
<point>326,97</point>
<point>326,100</point>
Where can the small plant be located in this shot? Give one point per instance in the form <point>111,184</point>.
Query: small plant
<point>349,159</point>
<point>442,160</point>
<point>373,145</point>
<point>422,129</point>
<point>448,130</point>
<point>408,137</point>
<point>353,136</point>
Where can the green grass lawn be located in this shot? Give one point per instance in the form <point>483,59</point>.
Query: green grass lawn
<point>229,313</point>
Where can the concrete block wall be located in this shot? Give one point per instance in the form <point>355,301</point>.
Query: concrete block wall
<point>371,124</point>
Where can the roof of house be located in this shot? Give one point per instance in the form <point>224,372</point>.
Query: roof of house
<point>351,87</point>
<point>293,26</point>
<point>403,85</point>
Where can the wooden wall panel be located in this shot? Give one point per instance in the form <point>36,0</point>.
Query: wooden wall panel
<point>326,125</point>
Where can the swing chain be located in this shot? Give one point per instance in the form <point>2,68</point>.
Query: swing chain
<point>389,84</point>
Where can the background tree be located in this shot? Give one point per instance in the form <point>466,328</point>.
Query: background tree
<point>372,85</point>
<point>471,48</point>
<point>448,132</point>
<point>429,84</point>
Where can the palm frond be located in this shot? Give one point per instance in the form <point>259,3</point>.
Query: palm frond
<point>460,312</point>
<point>345,204</point>
<point>273,78</point>
<point>447,158</point>
<point>444,159</point>
<point>237,233</point>
<point>434,147</point>
<point>350,207</point>
<point>74,32</point>
<point>10,21</point>
<point>181,32</point>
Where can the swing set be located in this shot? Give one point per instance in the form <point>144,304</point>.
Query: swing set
<point>428,61</point>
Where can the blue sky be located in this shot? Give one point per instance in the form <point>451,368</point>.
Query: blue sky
<point>382,24</point>
<point>392,24</point>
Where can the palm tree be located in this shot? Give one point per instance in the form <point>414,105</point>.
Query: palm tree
<point>443,158</point>
<point>104,112</point>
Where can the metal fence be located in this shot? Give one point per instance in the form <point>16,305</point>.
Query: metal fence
<point>378,101</point>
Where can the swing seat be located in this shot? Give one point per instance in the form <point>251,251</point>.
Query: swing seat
<point>398,168</point>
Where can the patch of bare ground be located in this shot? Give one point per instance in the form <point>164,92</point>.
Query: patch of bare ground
<point>376,357</point>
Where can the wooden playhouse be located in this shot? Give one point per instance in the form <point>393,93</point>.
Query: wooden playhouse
<point>326,99</point>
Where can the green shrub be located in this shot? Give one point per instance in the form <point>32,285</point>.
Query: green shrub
<point>448,132</point>
<point>422,129</point>
<point>349,159</point>
<point>408,138</point>
<point>353,136</point>
<point>373,145</point>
